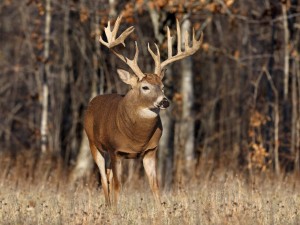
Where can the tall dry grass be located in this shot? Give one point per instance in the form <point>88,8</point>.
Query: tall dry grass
<point>43,196</point>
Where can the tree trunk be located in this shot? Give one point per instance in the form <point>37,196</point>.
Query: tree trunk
<point>297,144</point>
<point>45,73</point>
<point>187,120</point>
<point>210,90</point>
<point>294,112</point>
<point>276,124</point>
<point>286,50</point>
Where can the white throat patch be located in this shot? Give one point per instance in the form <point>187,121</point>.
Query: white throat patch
<point>148,113</point>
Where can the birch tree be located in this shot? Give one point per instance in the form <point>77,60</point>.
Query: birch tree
<point>187,92</point>
<point>45,73</point>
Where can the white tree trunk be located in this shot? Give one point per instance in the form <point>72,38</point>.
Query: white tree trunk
<point>45,73</point>
<point>276,124</point>
<point>294,109</point>
<point>187,120</point>
<point>297,127</point>
<point>84,163</point>
<point>112,8</point>
<point>286,50</point>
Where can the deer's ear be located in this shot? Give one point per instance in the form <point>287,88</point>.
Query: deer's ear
<point>127,78</point>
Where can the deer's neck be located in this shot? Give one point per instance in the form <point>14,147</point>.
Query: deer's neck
<point>136,122</point>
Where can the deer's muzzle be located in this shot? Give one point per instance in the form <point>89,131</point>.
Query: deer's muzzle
<point>164,103</point>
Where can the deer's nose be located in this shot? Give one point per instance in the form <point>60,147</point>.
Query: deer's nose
<point>164,103</point>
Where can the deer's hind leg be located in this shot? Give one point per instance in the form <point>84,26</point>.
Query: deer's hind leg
<point>109,175</point>
<point>100,161</point>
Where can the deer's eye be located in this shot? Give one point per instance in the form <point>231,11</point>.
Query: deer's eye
<point>145,88</point>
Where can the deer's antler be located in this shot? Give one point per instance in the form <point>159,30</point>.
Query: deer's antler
<point>180,54</point>
<point>112,41</point>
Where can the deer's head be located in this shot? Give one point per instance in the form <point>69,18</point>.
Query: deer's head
<point>148,87</point>
<point>149,91</point>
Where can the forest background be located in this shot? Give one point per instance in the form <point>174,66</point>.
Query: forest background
<point>231,144</point>
<point>235,103</point>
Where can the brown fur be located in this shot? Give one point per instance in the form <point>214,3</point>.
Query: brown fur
<point>108,114</point>
<point>116,130</point>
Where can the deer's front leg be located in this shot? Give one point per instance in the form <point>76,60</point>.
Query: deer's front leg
<point>149,162</point>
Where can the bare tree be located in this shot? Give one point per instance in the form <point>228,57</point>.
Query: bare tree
<point>186,127</point>
<point>276,124</point>
<point>286,49</point>
<point>45,73</point>
<point>295,117</point>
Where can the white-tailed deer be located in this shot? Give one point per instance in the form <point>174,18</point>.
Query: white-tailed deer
<point>129,126</point>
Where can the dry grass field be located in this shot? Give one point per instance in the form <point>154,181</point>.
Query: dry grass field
<point>224,198</point>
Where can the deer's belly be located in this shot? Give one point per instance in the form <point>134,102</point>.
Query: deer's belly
<point>129,155</point>
<point>128,147</point>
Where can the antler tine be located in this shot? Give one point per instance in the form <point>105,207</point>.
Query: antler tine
<point>136,55</point>
<point>169,43</point>
<point>178,37</point>
<point>112,41</point>
<point>132,63</point>
<point>187,49</point>
<point>116,26</point>
<point>156,58</point>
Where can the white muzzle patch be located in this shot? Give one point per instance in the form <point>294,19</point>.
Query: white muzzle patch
<point>158,100</point>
